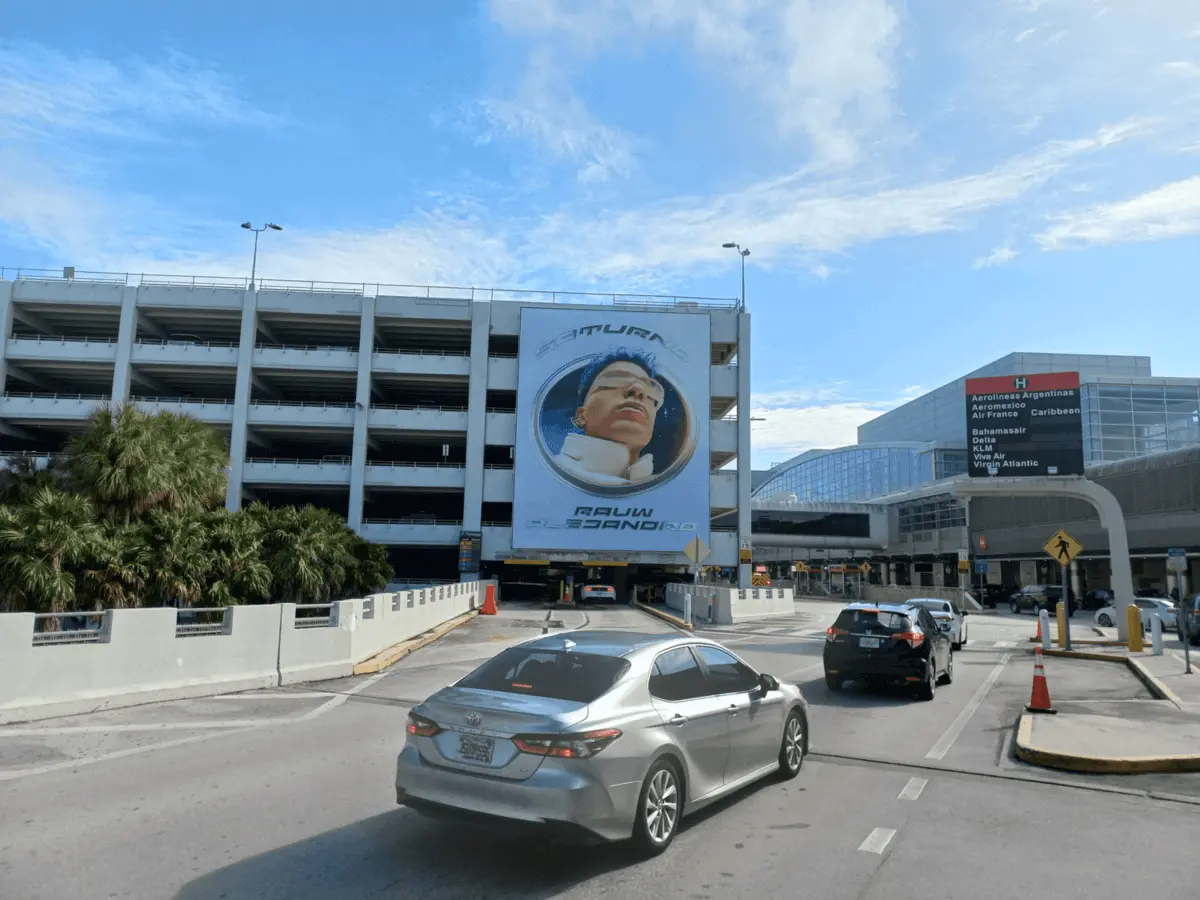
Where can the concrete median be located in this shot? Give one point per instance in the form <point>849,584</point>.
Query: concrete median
<point>147,655</point>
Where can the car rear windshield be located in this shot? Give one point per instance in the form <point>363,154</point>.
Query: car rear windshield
<point>872,620</point>
<point>554,674</point>
<point>1053,593</point>
<point>941,606</point>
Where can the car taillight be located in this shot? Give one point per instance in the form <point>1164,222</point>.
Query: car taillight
<point>421,726</point>
<point>914,638</point>
<point>831,633</point>
<point>584,745</point>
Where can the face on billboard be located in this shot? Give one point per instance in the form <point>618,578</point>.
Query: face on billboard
<point>612,436</point>
<point>614,423</point>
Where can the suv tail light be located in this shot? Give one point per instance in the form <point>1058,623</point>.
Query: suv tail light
<point>831,633</point>
<point>584,745</point>
<point>914,638</point>
<point>421,726</point>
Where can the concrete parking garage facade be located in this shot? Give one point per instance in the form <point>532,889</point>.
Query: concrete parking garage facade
<point>394,405</point>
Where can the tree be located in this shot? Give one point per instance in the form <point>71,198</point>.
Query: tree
<point>114,575</point>
<point>40,540</point>
<point>131,463</point>
<point>173,552</point>
<point>238,572</point>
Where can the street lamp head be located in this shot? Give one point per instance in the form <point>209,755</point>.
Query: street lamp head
<point>746,252</point>
<point>729,246</point>
<point>247,225</point>
<point>274,227</point>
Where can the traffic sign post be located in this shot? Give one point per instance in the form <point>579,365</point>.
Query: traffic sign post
<point>697,551</point>
<point>1063,548</point>
<point>1177,563</point>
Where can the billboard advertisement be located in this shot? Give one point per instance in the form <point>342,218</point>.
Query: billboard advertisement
<point>612,430</point>
<point>1024,425</point>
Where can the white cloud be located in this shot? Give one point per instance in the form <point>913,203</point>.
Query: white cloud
<point>1172,210</point>
<point>823,70</point>
<point>998,257</point>
<point>1183,68</point>
<point>822,271</point>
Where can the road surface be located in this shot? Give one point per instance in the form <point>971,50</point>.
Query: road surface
<point>289,794</point>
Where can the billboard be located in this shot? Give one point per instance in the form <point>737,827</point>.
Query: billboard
<point>1024,425</point>
<point>612,430</point>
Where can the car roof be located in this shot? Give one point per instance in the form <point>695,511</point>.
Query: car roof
<point>607,643</point>
<point>886,607</point>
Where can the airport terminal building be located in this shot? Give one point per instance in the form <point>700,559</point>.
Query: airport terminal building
<point>468,430</point>
<point>895,493</point>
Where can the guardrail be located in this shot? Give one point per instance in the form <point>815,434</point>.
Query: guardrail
<point>502,356</point>
<point>415,520</point>
<point>34,395</point>
<point>30,454</point>
<point>457,354</point>
<point>323,404</point>
<point>203,621</point>
<point>415,465</point>
<point>315,615</point>
<point>304,347</point>
<point>368,289</point>
<point>168,342</point>
<point>422,406</point>
<point>501,409</point>
<point>52,629</point>
<point>499,466</point>
<point>279,461</point>
<point>201,401</point>
<point>62,339</point>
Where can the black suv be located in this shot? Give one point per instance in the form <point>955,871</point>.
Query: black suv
<point>892,643</point>
<point>1036,597</point>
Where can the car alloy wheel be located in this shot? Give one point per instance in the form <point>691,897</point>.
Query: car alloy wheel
<point>1105,621</point>
<point>658,812</point>
<point>791,754</point>
<point>1013,608</point>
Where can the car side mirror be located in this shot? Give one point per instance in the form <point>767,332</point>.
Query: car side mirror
<point>966,612</point>
<point>768,683</point>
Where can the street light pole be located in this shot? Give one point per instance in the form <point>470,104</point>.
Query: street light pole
<point>743,252</point>
<point>257,232</point>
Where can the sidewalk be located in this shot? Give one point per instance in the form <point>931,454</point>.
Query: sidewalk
<point>1156,730</point>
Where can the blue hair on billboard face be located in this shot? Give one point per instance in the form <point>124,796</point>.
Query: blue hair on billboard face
<point>600,363</point>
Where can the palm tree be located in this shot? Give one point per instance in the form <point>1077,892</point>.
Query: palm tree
<point>40,540</point>
<point>238,572</point>
<point>131,463</point>
<point>174,554</point>
<point>372,571</point>
<point>114,575</point>
<point>297,545</point>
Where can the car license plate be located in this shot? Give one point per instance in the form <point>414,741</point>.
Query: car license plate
<point>475,749</point>
<point>869,642</point>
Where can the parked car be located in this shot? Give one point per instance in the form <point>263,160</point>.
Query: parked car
<point>1148,608</point>
<point>1097,599</point>
<point>895,643</point>
<point>609,735</point>
<point>1036,597</point>
<point>1191,628</point>
<point>992,595</point>
<point>949,618</point>
<point>598,593</point>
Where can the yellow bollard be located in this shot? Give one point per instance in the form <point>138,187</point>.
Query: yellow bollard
<point>1133,621</point>
<point>1061,611</point>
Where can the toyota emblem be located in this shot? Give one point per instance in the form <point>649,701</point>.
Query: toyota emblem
<point>473,718</point>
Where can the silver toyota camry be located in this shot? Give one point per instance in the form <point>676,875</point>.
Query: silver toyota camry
<point>606,735</point>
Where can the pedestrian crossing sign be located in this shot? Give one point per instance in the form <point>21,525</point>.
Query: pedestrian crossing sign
<point>1062,548</point>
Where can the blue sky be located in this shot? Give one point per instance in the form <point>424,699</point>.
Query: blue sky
<point>922,190</point>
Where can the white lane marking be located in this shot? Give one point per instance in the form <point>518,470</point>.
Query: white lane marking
<point>946,741</point>
<point>877,840</point>
<point>1005,645</point>
<point>913,789</point>
<point>130,726</point>
<point>118,754</point>
<point>306,695</point>
<point>338,699</point>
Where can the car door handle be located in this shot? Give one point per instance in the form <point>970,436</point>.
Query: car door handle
<point>678,719</point>
<point>733,709</point>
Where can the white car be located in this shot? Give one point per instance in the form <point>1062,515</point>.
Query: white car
<point>949,619</point>
<point>598,593</point>
<point>1148,608</point>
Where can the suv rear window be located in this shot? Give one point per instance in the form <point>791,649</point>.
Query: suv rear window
<point>554,674</point>
<point>862,621</point>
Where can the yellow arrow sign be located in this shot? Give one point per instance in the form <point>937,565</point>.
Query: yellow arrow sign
<point>1062,548</point>
<point>696,550</point>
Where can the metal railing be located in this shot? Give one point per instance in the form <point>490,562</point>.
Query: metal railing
<point>30,454</point>
<point>305,347</point>
<point>72,628</point>
<point>174,342</point>
<point>280,461</point>
<point>502,356</point>
<point>368,289</point>
<point>199,401</point>
<point>418,407</point>
<point>502,410</point>
<point>323,404</point>
<point>501,466</point>
<point>33,395</point>
<point>202,621</point>
<point>414,520</point>
<point>458,354</point>
<point>415,465</point>
<point>315,615</point>
<point>62,339</point>
<point>507,524</point>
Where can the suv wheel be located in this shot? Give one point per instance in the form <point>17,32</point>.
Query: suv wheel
<point>1013,608</point>
<point>659,808</point>
<point>928,688</point>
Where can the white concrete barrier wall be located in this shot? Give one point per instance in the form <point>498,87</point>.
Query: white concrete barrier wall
<point>874,593</point>
<point>140,657</point>
<point>726,606</point>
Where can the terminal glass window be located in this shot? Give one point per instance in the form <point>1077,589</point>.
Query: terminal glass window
<point>931,514</point>
<point>1122,421</point>
<point>855,473</point>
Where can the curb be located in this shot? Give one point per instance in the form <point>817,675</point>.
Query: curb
<point>1156,687</point>
<point>397,652</point>
<point>1087,642</point>
<point>666,617</point>
<point>1110,765</point>
<point>1083,654</point>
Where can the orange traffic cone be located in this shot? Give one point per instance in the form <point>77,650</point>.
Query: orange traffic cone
<point>489,601</point>
<point>1039,698</point>
<point>1038,636</point>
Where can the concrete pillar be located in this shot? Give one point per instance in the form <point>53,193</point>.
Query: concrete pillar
<point>481,328</point>
<point>1076,581</point>
<point>241,399</point>
<point>362,410</point>
<point>6,322</point>
<point>743,442</point>
<point>122,371</point>
<point>939,573</point>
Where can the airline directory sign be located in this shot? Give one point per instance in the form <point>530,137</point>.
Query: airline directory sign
<point>1024,425</point>
<point>612,430</point>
